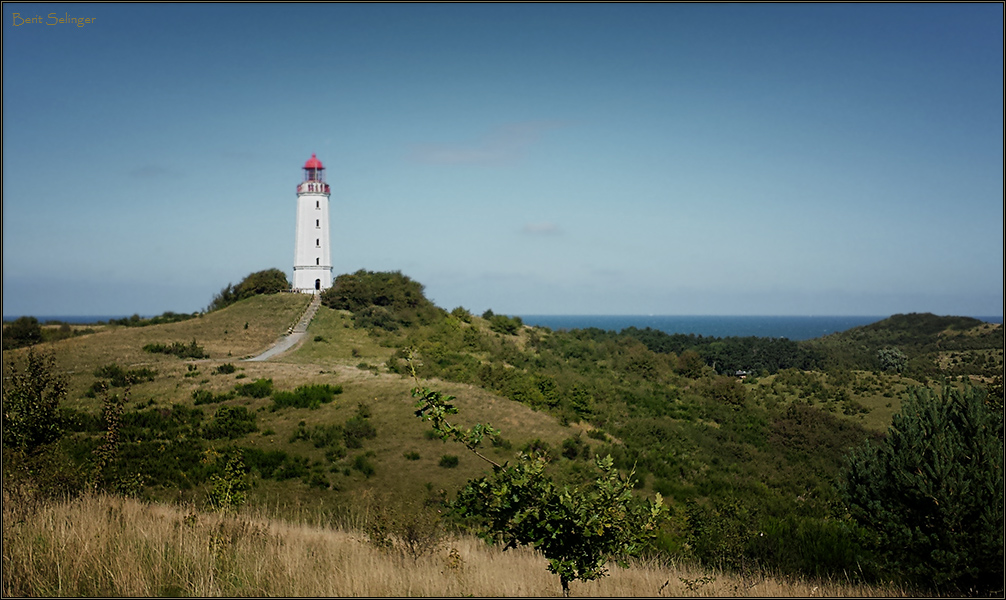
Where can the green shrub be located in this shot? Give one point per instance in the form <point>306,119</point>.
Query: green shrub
<point>192,350</point>
<point>462,313</point>
<point>166,317</point>
<point>225,369</point>
<point>574,447</point>
<point>335,452</point>
<point>24,331</point>
<point>269,281</point>
<point>207,397</point>
<point>260,388</point>
<point>230,422</point>
<point>892,359</point>
<point>505,325</point>
<point>411,455</point>
<point>228,489</point>
<point>381,300</point>
<point>275,464</point>
<point>537,447</point>
<point>448,461</point>
<point>356,430</point>
<point>160,423</point>
<point>113,375</point>
<point>306,396</point>
<point>361,464</point>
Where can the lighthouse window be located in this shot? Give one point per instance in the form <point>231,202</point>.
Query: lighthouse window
<point>317,261</point>
<point>317,203</point>
<point>317,223</point>
<point>317,243</point>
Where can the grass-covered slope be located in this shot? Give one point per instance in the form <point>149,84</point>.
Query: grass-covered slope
<point>749,465</point>
<point>933,345</point>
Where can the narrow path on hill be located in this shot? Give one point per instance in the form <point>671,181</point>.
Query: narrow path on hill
<point>294,335</point>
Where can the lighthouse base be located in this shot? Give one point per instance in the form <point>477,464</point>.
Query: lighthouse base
<point>312,279</point>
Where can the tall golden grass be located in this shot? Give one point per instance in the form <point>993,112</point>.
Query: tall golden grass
<point>98,545</point>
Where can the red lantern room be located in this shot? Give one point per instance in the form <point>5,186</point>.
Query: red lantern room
<point>313,169</point>
<point>314,178</point>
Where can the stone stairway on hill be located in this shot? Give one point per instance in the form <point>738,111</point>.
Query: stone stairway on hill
<point>305,319</point>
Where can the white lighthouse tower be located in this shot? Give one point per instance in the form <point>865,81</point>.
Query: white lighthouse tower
<point>312,258</point>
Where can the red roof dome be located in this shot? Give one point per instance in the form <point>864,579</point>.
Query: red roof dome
<point>313,163</point>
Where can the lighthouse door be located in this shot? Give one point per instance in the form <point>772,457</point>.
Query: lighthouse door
<point>317,284</point>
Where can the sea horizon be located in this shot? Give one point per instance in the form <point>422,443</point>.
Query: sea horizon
<point>793,327</point>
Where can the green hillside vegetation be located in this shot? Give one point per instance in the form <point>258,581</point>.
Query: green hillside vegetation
<point>933,346</point>
<point>269,281</point>
<point>750,467</point>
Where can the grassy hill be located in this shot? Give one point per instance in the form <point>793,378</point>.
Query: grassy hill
<point>748,465</point>
<point>334,352</point>
<point>933,345</point>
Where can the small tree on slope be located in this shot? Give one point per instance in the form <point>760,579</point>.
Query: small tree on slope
<point>577,530</point>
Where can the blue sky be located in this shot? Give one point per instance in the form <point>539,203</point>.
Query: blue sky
<point>777,159</point>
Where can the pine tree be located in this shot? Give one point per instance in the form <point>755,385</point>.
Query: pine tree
<point>932,492</point>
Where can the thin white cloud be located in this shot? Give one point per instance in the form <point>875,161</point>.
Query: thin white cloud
<point>503,145</point>
<point>545,228</point>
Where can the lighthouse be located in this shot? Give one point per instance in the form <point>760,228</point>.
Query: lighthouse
<point>312,258</point>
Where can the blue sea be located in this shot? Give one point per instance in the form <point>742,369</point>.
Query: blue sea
<point>74,319</point>
<point>794,328</point>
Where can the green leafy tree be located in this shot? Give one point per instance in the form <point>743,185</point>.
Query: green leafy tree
<point>932,492</point>
<point>690,364</point>
<point>892,359</point>
<point>32,392</point>
<point>23,331</point>
<point>578,530</point>
<point>34,463</point>
<point>269,281</point>
<point>381,299</point>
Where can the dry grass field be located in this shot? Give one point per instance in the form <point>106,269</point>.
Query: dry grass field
<point>112,546</point>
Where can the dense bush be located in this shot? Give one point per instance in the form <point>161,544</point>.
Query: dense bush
<point>23,331</point>
<point>176,422</point>
<point>166,317</point>
<point>270,281</point>
<point>178,349</point>
<point>730,354</point>
<point>208,397</point>
<point>260,388</point>
<point>306,396</point>
<point>892,359</point>
<point>356,430</point>
<point>230,422</point>
<point>275,464</point>
<point>361,464</point>
<point>381,300</point>
<point>113,375</point>
<point>505,325</point>
<point>932,492</point>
